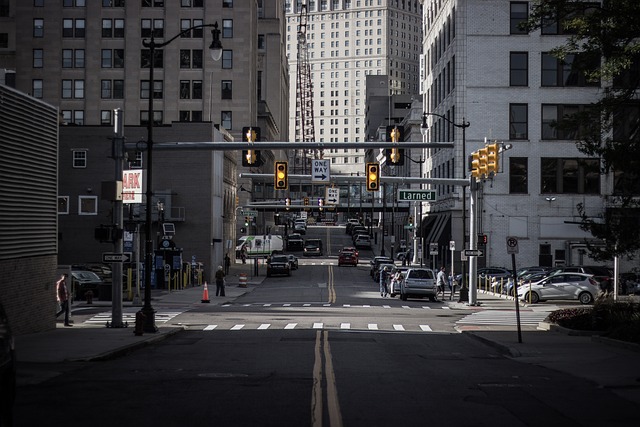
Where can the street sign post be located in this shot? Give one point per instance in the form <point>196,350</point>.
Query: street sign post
<point>512,245</point>
<point>416,195</point>
<point>113,257</point>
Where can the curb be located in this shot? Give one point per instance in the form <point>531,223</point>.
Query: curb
<point>504,349</point>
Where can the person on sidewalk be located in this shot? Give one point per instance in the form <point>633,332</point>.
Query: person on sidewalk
<point>227,264</point>
<point>220,282</point>
<point>63,298</point>
<point>441,280</point>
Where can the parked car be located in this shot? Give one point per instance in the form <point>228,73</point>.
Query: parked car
<point>629,283</point>
<point>347,258</point>
<point>295,242</point>
<point>418,282</point>
<point>278,264</point>
<point>363,242</point>
<point>300,228</point>
<point>602,275</point>
<point>293,261</point>
<point>358,229</point>
<point>561,286</point>
<point>83,281</point>
<point>7,370</point>
<point>312,247</point>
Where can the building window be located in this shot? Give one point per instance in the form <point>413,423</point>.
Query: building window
<point>73,28</point>
<point>518,121</point>
<point>227,28</point>
<point>67,86</point>
<point>552,114</point>
<point>157,118</point>
<point>63,205</point>
<point>518,168</point>
<point>72,3</point>
<point>38,58</point>
<point>567,72</point>
<point>566,175</point>
<point>146,28</point>
<point>519,14</point>
<point>184,116</point>
<point>185,89</point>
<point>191,3</point>
<point>107,28</point>
<point>79,159</point>
<point>152,3</point>
<point>106,58</point>
<point>78,89</point>
<point>78,117</point>
<point>261,42</point>
<point>227,89</point>
<point>87,205</point>
<point>190,58</point>
<point>519,69</point>
<point>38,27</point>
<point>227,3</point>
<point>559,28</point>
<point>145,58</point>
<point>105,89</point>
<point>157,89</point>
<point>36,88</point>
<point>105,117</point>
<point>226,119</point>
<point>113,3</point>
<point>112,89</point>
<point>227,59</point>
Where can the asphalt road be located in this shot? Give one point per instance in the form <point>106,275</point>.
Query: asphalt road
<point>319,348</point>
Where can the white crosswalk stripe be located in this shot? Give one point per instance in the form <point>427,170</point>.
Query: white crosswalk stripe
<point>503,317</point>
<point>319,325</point>
<point>128,315</point>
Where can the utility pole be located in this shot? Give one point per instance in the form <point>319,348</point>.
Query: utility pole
<point>116,267</point>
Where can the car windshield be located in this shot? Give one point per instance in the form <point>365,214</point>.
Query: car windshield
<point>420,274</point>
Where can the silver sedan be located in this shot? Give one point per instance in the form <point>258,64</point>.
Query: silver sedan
<point>561,286</point>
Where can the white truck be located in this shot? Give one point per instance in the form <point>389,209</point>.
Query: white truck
<point>259,245</point>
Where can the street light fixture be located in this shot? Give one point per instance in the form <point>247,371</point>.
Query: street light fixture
<point>216,53</point>
<point>464,125</point>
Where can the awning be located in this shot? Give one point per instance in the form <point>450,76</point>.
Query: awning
<point>438,227</point>
<point>427,224</point>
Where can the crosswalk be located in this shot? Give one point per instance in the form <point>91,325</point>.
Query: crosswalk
<point>375,327</point>
<point>503,317</point>
<point>130,317</point>
<point>305,305</point>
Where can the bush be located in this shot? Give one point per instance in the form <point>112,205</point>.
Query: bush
<point>617,320</point>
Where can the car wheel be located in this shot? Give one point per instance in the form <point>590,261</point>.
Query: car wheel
<point>533,297</point>
<point>585,298</point>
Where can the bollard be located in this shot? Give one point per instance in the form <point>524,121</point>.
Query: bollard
<point>243,280</point>
<point>89,296</point>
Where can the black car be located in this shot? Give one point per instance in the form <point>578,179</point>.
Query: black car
<point>7,371</point>
<point>312,247</point>
<point>295,242</point>
<point>278,264</point>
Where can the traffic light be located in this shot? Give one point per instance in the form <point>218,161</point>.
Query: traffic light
<point>287,201</point>
<point>320,201</point>
<point>492,158</point>
<point>482,239</point>
<point>395,156</point>
<point>475,164</point>
<point>251,157</point>
<point>281,176</point>
<point>373,176</point>
<point>306,201</point>
<point>411,221</point>
<point>246,221</point>
<point>483,162</point>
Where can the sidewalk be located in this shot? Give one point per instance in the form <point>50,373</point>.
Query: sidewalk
<point>610,364</point>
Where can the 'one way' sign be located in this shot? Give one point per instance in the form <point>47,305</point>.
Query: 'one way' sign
<point>320,170</point>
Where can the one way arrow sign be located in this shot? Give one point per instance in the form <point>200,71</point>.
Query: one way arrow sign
<point>320,170</point>
<point>332,196</point>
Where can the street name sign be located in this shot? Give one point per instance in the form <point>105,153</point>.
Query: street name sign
<point>113,257</point>
<point>249,213</point>
<point>474,252</point>
<point>332,196</point>
<point>416,195</point>
<point>320,170</point>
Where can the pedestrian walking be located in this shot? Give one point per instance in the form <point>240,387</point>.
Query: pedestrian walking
<point>384,276</point>
<point>62,294</point>
<point>227,264</point>
<point>243,254</point>
<point>220,282</point>
<point>441,280</point>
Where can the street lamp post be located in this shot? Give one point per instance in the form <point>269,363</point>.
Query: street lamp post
<point>464,125</point>
<point>216,53</point>
<point>418,217</point>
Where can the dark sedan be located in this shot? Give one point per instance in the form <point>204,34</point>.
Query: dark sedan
<point>278,264</point>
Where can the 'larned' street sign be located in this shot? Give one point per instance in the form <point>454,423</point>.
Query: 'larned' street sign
<point>112,257</point>
<point>416,195</point>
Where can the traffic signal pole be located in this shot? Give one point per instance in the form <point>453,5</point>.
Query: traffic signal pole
<point>473,240</point>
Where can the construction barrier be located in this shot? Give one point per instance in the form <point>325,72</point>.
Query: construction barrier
<point>205,293</point>
<point>243,280</point>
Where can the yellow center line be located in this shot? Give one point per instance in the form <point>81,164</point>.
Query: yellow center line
<point>322,348</point>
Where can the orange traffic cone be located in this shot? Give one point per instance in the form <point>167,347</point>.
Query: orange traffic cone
<point>205,293</point>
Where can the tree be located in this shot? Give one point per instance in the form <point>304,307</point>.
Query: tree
<point>605,35</point>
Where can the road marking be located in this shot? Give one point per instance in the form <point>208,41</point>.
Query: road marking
<point>210,327</point>
<point>286,305</point>
<point>266,305</point>
<point>373,326</point>
<point>318,325</point>
<point>264,326</point>
<point>426,328</point>
<point>345,326</point>
<point>426,307</point>
<point>237,327</point>
<point>503,317</point>
<point>405,306</point>
<point>291,325</point>
<point>398,327</point>
<point>386,306</point>
<point>306,305</point>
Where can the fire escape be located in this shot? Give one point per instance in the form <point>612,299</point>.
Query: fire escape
<point>305,128</point>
